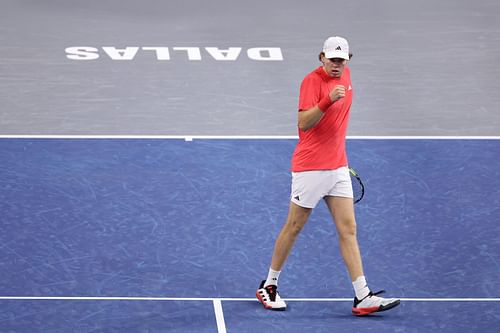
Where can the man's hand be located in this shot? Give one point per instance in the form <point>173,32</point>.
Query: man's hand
<point>337,93</point>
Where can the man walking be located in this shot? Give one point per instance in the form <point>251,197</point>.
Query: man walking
<point>320,171</point>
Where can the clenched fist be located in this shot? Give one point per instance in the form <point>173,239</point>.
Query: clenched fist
<point>337,93</point>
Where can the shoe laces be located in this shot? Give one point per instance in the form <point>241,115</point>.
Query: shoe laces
<point>272,291</point>
<point>370,294</point>
<point>375,293</point>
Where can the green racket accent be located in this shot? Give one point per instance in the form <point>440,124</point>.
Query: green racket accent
<point>358,188</point>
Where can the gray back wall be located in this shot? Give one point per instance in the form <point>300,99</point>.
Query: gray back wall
<point>419,67</point>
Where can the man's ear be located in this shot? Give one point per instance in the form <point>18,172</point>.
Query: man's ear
<point>320,57</point>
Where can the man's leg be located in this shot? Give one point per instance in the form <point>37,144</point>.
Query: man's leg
<point>342,210</point>
<point>267,292</point>
<point>297,218</point>
<point>365,302</point>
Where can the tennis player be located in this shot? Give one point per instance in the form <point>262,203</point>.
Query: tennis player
<point>319,171</point>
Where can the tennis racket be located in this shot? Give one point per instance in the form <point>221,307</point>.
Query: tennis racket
<point>358,188</point>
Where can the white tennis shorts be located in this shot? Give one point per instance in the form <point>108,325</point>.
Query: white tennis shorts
<point>309,187</point>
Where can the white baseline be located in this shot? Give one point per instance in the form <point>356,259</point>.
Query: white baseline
<point>239,137</point>
<point>222,299</point>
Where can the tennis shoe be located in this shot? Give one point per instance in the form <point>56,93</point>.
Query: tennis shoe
<point>270,298</point>
<point>372,303</point>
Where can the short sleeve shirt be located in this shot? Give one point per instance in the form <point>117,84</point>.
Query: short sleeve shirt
<point>323,146</point>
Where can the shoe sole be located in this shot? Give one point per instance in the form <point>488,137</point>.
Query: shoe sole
<point>368,311</point>
<point>268,306</point>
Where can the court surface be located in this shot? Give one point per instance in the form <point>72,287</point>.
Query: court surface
<point>143,181</point>
<point>181,232</point>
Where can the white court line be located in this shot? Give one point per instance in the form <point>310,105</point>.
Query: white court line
<point>152,137</point>
<point>219,316</point>
<point>221,299</point>
<point>242,137</point>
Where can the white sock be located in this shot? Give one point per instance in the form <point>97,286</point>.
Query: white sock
<point>361,287</point>
<point>272,278</point>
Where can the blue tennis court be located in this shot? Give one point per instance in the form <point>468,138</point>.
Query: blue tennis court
<point>155,235</point>
<point>145,152</point>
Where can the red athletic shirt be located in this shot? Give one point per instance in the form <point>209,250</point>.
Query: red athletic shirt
<point>323,146</point>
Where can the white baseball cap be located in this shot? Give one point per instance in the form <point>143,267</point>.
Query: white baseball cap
<point>336,47</point>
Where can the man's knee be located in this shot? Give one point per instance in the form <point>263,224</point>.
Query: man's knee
<point>297,218</point>
<point>347,228</point>
<point>295,226</point>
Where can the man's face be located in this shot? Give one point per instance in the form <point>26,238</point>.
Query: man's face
<point>334,66</point>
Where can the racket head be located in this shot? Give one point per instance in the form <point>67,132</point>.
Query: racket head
<point>358,188</point>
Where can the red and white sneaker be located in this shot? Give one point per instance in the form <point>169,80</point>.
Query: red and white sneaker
<point>372,303</point>
<point>270,298</point>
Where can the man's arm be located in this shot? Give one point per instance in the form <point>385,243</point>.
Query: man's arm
<point>311,117</point>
